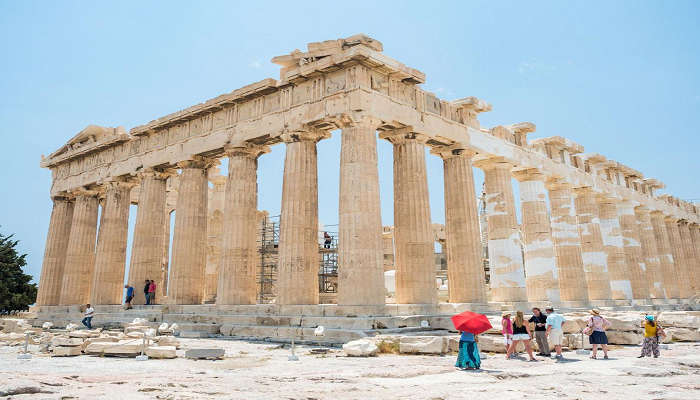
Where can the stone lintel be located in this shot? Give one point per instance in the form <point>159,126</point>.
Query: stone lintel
<point>472,104</point>
<point>529,174</point>
<point>197,162</point>
<point>557,183</point>
<point>492,162</point>
<point>246,149</point>
<point>314,135</point>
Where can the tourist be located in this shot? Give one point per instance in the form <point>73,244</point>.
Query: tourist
<point>596,329</point>
<point>327,240</point>
<point>145,291</point>
<point>652,330</point>
<point>89,313</point>
<point>521,333</point>
<point>554,330</point>
<point>540,320</point>
<point>468,357</point>
<point>152,292</point>
<point>507,330</point>
<point>129,296</point>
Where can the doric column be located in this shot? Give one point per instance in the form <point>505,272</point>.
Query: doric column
<point>666,260</point>
<point>150,237</point>
<point>110,256</point>
<point>695,242</point>
<point>507,277</point>
<point>567,243</point>
<point>611,231</point>
<point>650,253</point>
<point>80,254</point>
<point>465,271</point>
<point>633,250</point>
<point>297,281</point>
<point>595,263</point>
<point>236,283</point>
<point>542,278</point>
<point>190,240</point>
<point>690,256</point>
<point>215,227</point>
<point>360,255</point>
<point>685,288</point>
<point>55,252</point>
<point>413,235</point>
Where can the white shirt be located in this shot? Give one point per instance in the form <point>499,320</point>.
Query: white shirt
<point>89,312</point>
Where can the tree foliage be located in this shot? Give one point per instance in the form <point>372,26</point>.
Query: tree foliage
<point>16,293</point>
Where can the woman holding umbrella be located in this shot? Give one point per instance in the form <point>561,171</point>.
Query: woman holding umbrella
<point>469,325</point>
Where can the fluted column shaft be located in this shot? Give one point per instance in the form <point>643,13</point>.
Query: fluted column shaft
<point>55,253</point>
<point>190,240</point>
<point>690,256</point>
<point>542,278</point>
<point>110,256</point>
<point>567,243</point>
<point>633,250</point>
<point>595,263</point>
<point>80,254</point>
<point>238,254</point>
<point>666,260</point>
<point>360,255</point>
<point>150,236</point>
<point>413,236</point>
<point>298,247</point>
<point>650,253</point>
<point>695,244</point>
<point>507,276</point>
<point>611,232</point>
<point>215,227</point>
<point>685,288</point>
<point>465,271</point>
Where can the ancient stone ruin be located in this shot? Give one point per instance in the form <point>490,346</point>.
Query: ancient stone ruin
<point>593,230</point>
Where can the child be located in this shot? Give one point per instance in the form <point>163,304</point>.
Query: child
<point>652,330</point>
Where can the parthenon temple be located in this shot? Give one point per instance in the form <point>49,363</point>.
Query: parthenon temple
<point>592,231</point>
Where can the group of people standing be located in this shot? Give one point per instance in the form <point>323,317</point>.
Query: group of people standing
<point>149,293</point>
<point>548,328</point>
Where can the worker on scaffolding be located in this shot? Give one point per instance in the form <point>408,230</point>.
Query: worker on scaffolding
<point>327,240</point>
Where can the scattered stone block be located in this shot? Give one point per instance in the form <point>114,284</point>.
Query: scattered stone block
<point>83,334</point>
<point>360,348</point>
<point>617,337</point>
<point>679,319</point>
<point>67,342</point>
<point>46,325</point>
<point>71,327</point>
<point>423,345</point>
<point>135,328</point>
<point>161,352</point>
<point>123,349</point>
<point>683,334</point>
<point>66,351</point>
<point>168,341</point>
<point>193,334</point>
<point>205,354</point>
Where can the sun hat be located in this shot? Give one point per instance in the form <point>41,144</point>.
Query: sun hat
<point>504,313</point>
<point>594,312</point>
<point>650,318</point>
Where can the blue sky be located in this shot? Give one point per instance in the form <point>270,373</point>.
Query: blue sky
<point>620,78</point>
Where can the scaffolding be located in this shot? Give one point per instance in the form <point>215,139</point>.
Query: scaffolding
<point>268,249</point>
<point>328,269</point>
<point>483,224</point>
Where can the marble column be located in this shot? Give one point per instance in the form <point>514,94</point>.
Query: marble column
<point>80,253</point>
<point>298,266</point>
<point>360,251</point>
<point>595,259</point>
<point>215,227</point>
<point>240,228</point>
<point>611,232</point>
<point>413,234</point>
<point>110,256</point>
<point>567,242</point>
<point>690,256</point>
<point>465,270</point>
<point>190,241</point>
<point>542,277</point>
<point>666,260</point>
<point>150,237</point>
<point>685,288</point>
<point>650,253</point>
<point>55,253</point>
<point>633,250</point>
<point>695,242</point>
<point>507,278</point>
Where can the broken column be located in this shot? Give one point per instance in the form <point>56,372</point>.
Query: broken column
<point>666,260</point>
<point>595,263</point>
<point>465,271</point>
<point>236,283</point>
<point>611,232</point>
<point>507,278</point>
<point>190,241</point>
<point>298,246</point>
<point>542,279</point>
<point>55,253</point>
<point>360,252</point>
<point>80,253</point>
<point>413,235</point>
<point>633,250</point>
<point>110,256</point>
<point>650,253</point>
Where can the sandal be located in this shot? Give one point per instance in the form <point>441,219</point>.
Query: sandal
<point>594,358</point>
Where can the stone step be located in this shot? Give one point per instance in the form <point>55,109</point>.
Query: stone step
<point>285,333</point>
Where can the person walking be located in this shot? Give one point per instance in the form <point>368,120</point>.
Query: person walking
<point>468,357</point>
<point>507,330</point>
<point>539,319</point>
<point>521,333</point>
<point>89,313</point>
<point>554,330</point>
<point>152,292</point>
<point>327,240</point>
<point>129,296</point>
<point>652,331</point>
<point>596,329</point>
<point>145,292</point>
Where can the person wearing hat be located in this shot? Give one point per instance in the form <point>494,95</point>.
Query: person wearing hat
<point>506,329</point>
<point>596,329</point>
<point>652,330</point>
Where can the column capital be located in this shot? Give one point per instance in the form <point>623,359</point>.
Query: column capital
<point>162,174</point>
<point>671,219</point>
<point>246,149</point>
<point>61,197</point>
<point>496,162</point>
<point>529,174</point>
<point>197,162</point>
<point>585,190</point>
<point>120,182</point>
<point>85,192</point>
<point>557,183</point>
<point>310,135</point>
<point>642,210</point>
<point>452,151</point>
<point>403,135</point>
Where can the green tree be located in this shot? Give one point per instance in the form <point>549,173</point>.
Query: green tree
<point>16,293</point>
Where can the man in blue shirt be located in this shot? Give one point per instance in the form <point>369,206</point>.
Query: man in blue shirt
<point>554,330</point>
<point>129,296</point>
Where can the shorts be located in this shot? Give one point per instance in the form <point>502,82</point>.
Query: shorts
<point>128,299</point>
<point>521,336</point>
<point>507,340</point>
<point>556,337</point>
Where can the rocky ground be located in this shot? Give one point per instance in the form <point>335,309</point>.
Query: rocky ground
<point>261,370</point>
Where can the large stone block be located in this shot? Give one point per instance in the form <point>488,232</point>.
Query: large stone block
<point>161,352</point>
<point>423,345</point>
<point>360,348</point>
<point>167,341</point>
<point>683,334</point>
<point>66,342</point>
<point>686,319</point>
<point>618,337</point>
<point>66,351</point>
<point>205,354</point>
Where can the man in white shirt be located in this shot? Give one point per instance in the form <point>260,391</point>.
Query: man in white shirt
<point>554,330</point>
<point>89,313</point>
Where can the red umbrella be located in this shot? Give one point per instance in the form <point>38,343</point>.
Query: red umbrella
<point>471,322</point>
